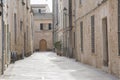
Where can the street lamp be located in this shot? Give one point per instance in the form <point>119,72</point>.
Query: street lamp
<point>65,9</point>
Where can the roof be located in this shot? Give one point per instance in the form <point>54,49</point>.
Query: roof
<point>39,5</point>
<point>42,16</point>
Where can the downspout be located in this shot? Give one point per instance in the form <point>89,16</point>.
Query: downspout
<point>66,51</point>
<point>2,38</point>
<point>53,15</point>
<point>118,28</point>
<point>70,29</point>
<point>119,32</point>
<point>63,34</point>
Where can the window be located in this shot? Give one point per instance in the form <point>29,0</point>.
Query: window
<point>80,1</point>
<point>41,26</point>
<point>21,24</point>
<point>93,33</point>
<point>81,35</point>
<point>105,42</point>
<point>39,10</point>
<point>74,39</point>
<point>15,28</point>
<point>119,26</point>
<point>27,35</point>
<point>50,26</point>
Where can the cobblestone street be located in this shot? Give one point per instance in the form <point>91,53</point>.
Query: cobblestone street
<point>48,66</point>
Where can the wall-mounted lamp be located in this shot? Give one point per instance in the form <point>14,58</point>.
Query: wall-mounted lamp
<point>65,10</point>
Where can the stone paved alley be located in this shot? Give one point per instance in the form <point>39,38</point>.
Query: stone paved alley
<point>48,66</point>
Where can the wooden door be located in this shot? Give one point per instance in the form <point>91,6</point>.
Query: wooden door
<point>43,45</point>
<point>105,43</point>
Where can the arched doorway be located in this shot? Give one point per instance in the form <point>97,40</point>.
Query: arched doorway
<point>43,45</point>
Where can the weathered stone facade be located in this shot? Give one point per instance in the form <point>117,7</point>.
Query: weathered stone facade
<point>64,27</point>
<point>17,18</point>
<point>21,30</point>
<point>55,19</point>
<point>95,32</point>
<point>61,25</point>
<point>43,28</point>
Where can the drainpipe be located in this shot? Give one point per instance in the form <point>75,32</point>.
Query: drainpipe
<point>70,30</point>
<point>53,23</point>
<point>2,38</point>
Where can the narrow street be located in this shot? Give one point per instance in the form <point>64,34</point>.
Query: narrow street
<point>49,66</point>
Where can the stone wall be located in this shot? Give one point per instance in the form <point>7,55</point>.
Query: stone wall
<point>42,34</point>
<point>101,9</point>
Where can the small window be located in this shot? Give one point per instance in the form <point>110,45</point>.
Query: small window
<point>80,1</point>
<point>15,28</point>
<point>39,10</point>
<point>74,39</point>
<point>50,26</point>
<point>41,26</point>
<point>21,25</point>
<point>93,33</point>
<point>81,36</point>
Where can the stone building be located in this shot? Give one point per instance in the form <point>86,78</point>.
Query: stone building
<point>97,34</point>
<point>94,34</point>
<point>17,25</point>
<point>4,34</point>
<point>55,19</point>
<point>21,28</point>
<point>64,26</point>
<point>1,40</point>
<point>61,24</point>
<point>43,39</point>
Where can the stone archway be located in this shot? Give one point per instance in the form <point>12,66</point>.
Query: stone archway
<point>43,45</point>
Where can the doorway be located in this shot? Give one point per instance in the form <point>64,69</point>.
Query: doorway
<point>43,45</point>
<point>105,43</point>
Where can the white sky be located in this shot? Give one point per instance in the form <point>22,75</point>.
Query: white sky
<point>49,2</point>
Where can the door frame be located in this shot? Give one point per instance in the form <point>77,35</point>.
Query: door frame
<point>42,40</point>
<point>105,42</point>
